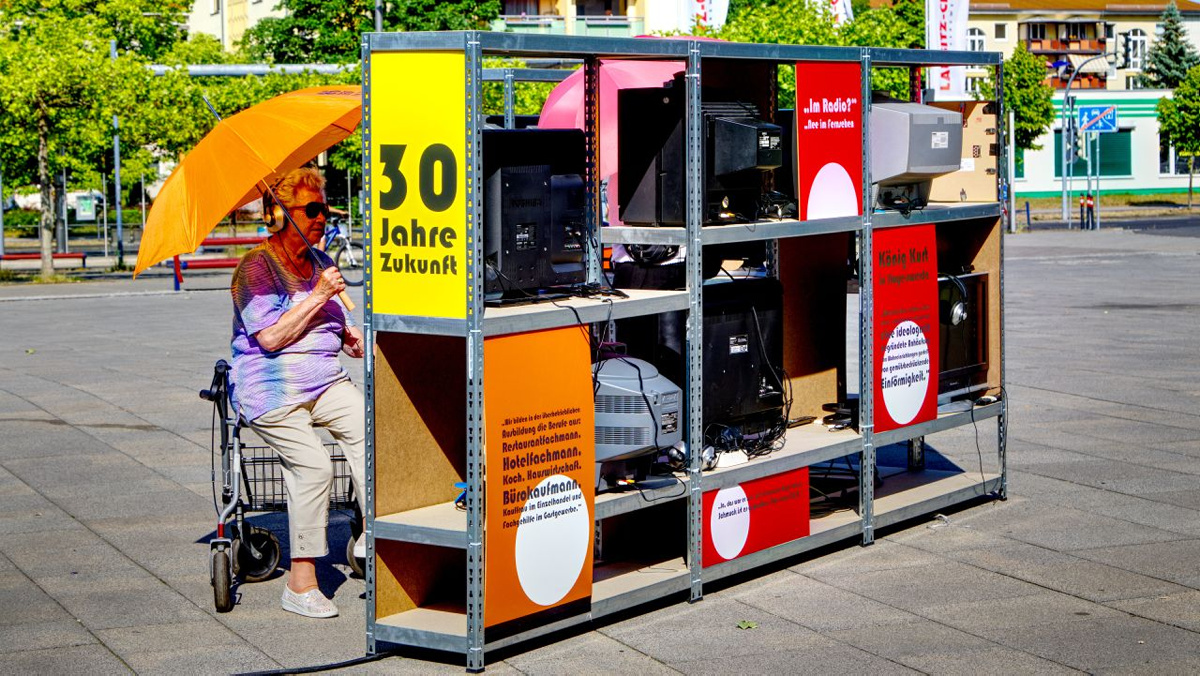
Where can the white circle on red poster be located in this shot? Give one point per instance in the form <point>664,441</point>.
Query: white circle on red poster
<point>552,540</point>
<point>905,378</point>
<point>729,522</point>
<point>832,194</point>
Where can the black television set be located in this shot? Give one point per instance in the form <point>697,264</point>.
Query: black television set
<point>742,354</point>
<point>963,336</point>
<point>534,208</point>
<point>738,148</point>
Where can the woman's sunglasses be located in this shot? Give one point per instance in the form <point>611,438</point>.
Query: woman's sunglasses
<point>313,209</point>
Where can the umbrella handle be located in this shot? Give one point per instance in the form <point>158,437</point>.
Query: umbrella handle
<point>345,298</point>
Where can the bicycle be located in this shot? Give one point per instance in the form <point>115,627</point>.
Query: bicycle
<point>348,255</point>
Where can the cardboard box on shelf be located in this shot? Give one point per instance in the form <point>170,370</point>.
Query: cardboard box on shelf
<point>975,181</point>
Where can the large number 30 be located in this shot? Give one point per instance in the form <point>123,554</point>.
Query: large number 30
<point>436,158</point>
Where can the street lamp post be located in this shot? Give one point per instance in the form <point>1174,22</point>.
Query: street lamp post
<point>1068,126</point>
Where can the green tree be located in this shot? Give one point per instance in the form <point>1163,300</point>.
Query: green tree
<point>56,81</point>
<point>328,31</point>
<point>60,88</point>
<point>1171,56</point>
<point>1179,121</point>
<point>1027,95</point>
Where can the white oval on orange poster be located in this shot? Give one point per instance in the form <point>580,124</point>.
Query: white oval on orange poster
<point>552,540</point>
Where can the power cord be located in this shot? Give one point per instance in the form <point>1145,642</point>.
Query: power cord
<point>323,667</point>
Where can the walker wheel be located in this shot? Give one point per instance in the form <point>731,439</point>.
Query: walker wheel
<point>359,566</point>
<point>221,582</point>
<point>266,545</point>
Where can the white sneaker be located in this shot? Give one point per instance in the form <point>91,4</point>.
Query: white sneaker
<point>360,547</point>
<point>311,603</point>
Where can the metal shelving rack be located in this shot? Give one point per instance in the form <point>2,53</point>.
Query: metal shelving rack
<point>442,526</point>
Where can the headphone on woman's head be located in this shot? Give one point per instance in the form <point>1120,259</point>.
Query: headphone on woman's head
<point>275,221</point>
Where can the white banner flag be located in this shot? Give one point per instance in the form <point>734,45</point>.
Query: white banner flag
<point>842,11</point>
<point>710,13</point>
<point>946,30</point>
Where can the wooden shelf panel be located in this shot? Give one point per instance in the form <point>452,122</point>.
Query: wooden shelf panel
<point>943,422</point>
<point>439,629</point>
<point>498,321</point>
<point>823,531</point>
<point>446,526</point>
<point>910,494</point>
<point>443,525</point>
<point>617,586</point>
<point>803,446</point>
<point>521,318</point>
<point>938,212</point>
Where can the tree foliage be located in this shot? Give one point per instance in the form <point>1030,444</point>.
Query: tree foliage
<point>328,31</point>
<point>59,89</point>
<point>1179,121</point>
<point>1172,55</point>
<point>809,22</point>
<point>1027,95</point>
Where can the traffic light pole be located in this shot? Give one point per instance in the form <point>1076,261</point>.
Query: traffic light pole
<point>1068,136</point>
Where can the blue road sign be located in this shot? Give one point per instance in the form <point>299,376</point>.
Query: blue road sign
<point>1098,118</point>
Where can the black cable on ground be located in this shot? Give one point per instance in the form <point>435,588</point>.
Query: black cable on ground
<point>323,667</point>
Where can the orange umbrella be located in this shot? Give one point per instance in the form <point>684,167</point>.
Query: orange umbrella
<point>229,166</point>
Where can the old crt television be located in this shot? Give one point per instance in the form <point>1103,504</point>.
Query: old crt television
<point>534,208</point>
<point>911,144</point>
<point>963,336</point>
<point>742,351</point>
<point>638,413</point>
<point>738,148</point>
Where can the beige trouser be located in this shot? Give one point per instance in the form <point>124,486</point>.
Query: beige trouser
<point>307,469</point>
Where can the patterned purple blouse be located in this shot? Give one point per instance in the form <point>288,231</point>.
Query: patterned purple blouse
<point>264,288</point>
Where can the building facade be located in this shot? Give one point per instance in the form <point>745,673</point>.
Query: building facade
<point>1070,33</point>
<point>227,20</point>
<point>1130,160</point>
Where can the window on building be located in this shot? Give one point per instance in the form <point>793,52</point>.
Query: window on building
<point>1134,82</point>
<point>975,40</point>
<point>216,6</point>
<point>1137,48</point>
<point>1171,161</point>
<point>1019,163</point>
<point>1116,155</point>
<point>519,7</point>
<point>1037,31</point>
<point>1001,32</point>
<point>599,7</point>
<point>1108,30</point>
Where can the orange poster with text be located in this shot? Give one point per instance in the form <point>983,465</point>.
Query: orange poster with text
<point>540,474</point>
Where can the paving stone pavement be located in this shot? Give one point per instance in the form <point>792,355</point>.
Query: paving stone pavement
<point>1090,566</point>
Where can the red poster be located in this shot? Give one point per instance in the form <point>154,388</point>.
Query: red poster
<point>906,326</point>
<point>755,515</point>
<point>829,139</point>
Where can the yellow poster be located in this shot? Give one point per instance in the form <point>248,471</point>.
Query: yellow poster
<point>416,117</point>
